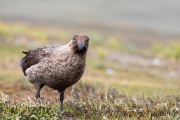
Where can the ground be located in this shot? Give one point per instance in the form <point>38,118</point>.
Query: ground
<point>121,81</point>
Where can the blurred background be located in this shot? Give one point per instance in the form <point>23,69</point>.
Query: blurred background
<point>134,45</point>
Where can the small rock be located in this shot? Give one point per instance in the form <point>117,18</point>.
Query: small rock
<point>156,61</point>
<point>109,71</point>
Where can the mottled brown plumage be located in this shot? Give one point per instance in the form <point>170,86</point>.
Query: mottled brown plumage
<point>56,67</point>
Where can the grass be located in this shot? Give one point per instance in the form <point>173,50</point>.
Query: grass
<point>93,103</point>
<point>130,93</point>
<point>10,53</point>
<point>170,50</point>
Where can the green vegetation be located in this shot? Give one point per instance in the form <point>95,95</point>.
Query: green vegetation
<point>167,50</point>
<point>10,31</point>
